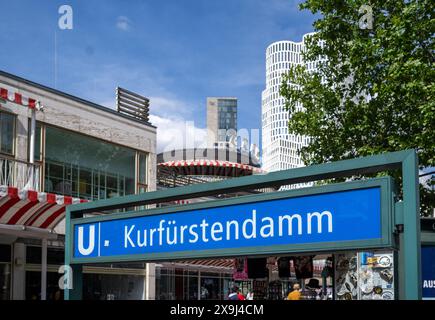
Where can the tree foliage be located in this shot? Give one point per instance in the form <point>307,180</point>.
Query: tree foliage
<point>374,92</point>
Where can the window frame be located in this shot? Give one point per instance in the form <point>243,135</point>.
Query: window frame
<point>142,184</point>
<point>14,135</point>
<point>44,162</point>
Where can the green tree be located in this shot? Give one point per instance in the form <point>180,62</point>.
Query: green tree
<point>374,92</point>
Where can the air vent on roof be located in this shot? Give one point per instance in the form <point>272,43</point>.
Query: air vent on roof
<point>132,104</point>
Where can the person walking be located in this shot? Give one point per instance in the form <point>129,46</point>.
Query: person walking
<point>296,293</point>
<point>234,294</point>
<point>250,295</point>
<point>240,295</point>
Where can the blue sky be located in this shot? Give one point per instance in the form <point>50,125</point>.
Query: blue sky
<point>177,52</point>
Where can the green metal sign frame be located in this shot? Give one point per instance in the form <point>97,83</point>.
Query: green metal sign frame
<point>403,215</point>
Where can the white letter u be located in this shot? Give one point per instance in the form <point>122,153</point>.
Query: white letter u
<point>91,246</point>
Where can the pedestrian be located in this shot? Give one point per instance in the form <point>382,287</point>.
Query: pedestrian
<point>234,294</point>
<point>250,295</point>
<point>58,295</point>
<point>240,295</point>
<point>296,293</point>
<point>312,290</point>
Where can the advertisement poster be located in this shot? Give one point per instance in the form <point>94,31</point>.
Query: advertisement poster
<point>240,269</point>
<point>428,272</point>
<point>365,276</point>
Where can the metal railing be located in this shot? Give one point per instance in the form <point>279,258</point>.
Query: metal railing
<point>19,174</point>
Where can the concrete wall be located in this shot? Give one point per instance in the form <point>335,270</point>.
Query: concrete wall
<point>18,271</point>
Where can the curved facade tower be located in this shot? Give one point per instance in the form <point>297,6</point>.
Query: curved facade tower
<point>279,147</point>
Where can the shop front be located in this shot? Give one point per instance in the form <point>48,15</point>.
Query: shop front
<point>348,275</point>
<point>193,281</point>
<point>367,238</point>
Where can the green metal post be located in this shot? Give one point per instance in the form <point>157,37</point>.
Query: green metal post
<point>411,244</point>
<point>400,269</point>
<point>76,271</point>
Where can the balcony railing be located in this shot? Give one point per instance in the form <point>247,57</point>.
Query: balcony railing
<point>19,174</point>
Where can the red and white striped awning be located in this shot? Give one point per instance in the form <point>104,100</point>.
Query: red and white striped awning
<point>181,201</point>
<point>230,264</point>
<point>220,263</point>
<point>210,167</point>
<point>18,98</point>
<point>31,208</point>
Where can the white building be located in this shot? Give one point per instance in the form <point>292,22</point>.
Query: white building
<point>81,152</point>
<point>280,148</point>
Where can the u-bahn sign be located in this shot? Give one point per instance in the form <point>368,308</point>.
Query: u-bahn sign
<point>334,217</point>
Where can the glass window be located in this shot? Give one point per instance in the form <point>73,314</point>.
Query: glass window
<point>7,132</point>
<point>85,167</point>
<point>5,281</point>
<point>55,256</point>
<point>142,189</point>
<point>38,142</point>
<point>113,287</point>
<point>5,271</point>
<point>191,289</point>
<point>33,286</point>
<point>5,253</point>
<point>165,284</point>
<point>142,168</point>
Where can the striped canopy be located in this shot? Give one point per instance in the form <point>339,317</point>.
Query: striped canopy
<point>31,208</point>
<point>210,168</point>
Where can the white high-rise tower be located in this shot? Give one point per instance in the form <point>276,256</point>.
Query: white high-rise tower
<point>279,147</point>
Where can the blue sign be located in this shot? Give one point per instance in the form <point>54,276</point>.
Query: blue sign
<point>350,215</point>
<point>428,271</point>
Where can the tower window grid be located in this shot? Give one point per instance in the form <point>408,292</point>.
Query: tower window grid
<point>280,148</point>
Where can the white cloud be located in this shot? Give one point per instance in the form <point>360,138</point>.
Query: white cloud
<point>173,131</point>
<point>167,106</point>
<point>123,23</point>
<point>168,112</point>
<point>177,133</point>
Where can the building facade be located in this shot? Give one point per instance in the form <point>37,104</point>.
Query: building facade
<point>200,279</point>
<point>279,146</point>
<point>82,152</point>
<point>222,122</point>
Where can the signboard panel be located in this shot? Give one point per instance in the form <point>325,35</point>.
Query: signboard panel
<point>428,272</point>
<point>247,225</point>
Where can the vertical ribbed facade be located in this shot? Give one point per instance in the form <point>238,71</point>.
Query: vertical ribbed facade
<point>279,147</point>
